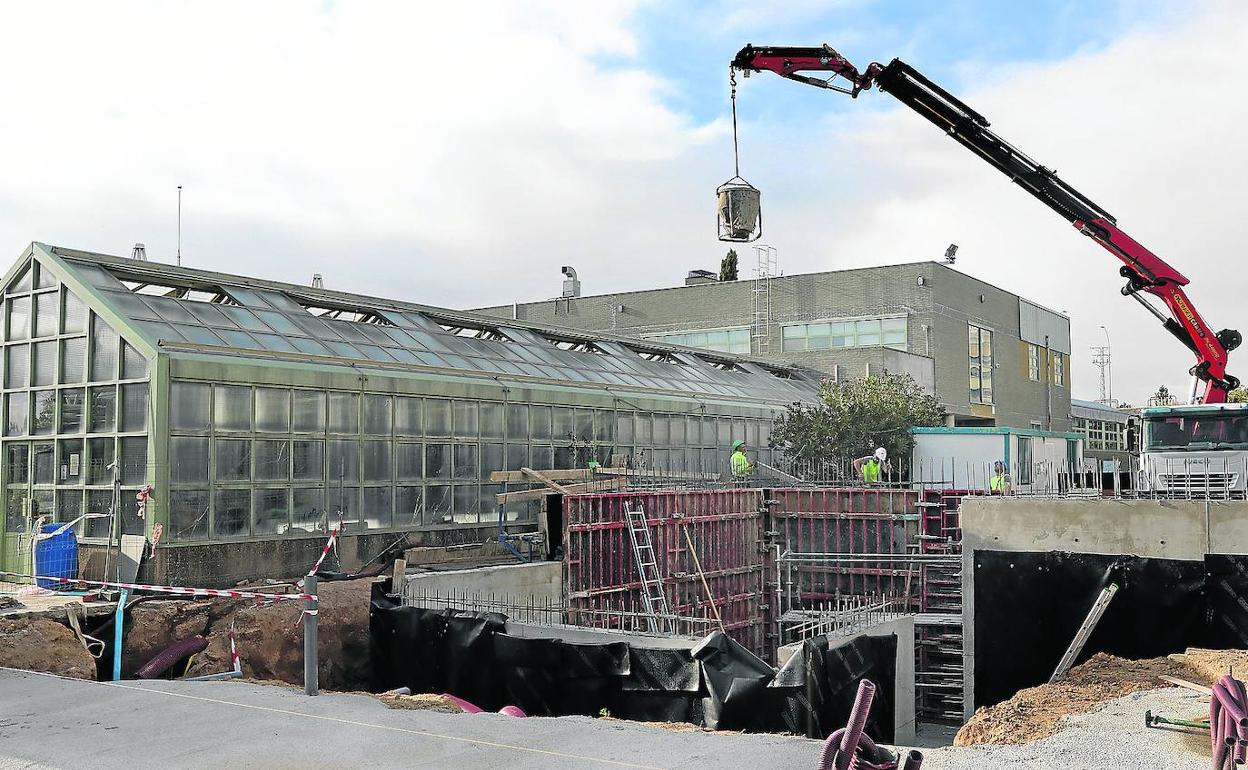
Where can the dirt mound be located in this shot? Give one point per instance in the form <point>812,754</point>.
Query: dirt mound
<point>39,644</point>
<point>269,639</point>
<point>1035,712</point>
<point>422,702</point>
<point>1212,665</point>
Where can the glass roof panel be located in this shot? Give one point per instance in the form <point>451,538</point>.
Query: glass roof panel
<point>432,359</point>
<point>170,310</point>
<point>373,332</point>
<point>347,330</point>
<point>281,301</point>
<point>280,323</point>
<point>98,276</point>
<point>315,327</point>
<point>244,318</point>
<point>200,334</point>
<point>306,345</point>
<point>374,352</point>
<point>238,339</point>
<point>131,305</point>
<point>159,331</point>
<point>274,342</point>
<point>400,336</point>
<point>403,355</point>
<point>247,297</point>
<point>209,314</point>
<point>343,349</point>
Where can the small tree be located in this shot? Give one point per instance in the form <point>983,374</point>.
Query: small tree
<point>1238,396</point>
<point>1162,397</point>
<point>728,266</point>
<point>853,417</point>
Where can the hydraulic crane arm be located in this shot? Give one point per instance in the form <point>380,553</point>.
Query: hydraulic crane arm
<point>1144,271</point>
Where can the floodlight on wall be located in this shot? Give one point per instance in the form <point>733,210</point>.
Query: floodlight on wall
<point>951,254</point>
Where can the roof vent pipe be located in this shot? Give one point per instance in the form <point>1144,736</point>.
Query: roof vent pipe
<point>571,286</point>
<point>139,252</point>
<point>317,281</point>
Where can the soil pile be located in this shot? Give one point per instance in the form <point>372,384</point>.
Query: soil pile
<point>39,644</point>
<point>1211,665</point>
<point>1036,712</point>
<point>269,639</point>
<point>422,702</point>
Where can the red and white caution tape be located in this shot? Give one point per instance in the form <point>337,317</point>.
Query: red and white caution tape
<point>330,543</point>
<point>178,590</point>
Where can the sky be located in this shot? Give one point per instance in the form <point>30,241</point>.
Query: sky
<point>457,154</point>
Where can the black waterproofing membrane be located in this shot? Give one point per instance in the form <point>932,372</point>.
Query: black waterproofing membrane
<point>716,683</point>
<point>1029,606</point>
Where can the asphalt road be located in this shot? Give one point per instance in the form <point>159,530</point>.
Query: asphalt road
<point>49,722</point>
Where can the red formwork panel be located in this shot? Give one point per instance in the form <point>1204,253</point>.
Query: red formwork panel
<point>601,576</point>
<point>840,520</point>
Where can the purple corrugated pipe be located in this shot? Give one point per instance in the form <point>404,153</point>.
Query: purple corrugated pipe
<point>839,747</point>
<point>1217,742</point>
<point>914,760</point>
<point>857,723</point>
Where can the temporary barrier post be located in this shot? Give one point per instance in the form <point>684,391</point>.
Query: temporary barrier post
<point>118,622</point>
<point>311,685</point>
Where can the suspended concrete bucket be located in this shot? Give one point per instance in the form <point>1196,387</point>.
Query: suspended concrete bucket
<point>740,211</point>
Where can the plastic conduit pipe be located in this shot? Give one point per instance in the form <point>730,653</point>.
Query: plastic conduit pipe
<point>836,755</point>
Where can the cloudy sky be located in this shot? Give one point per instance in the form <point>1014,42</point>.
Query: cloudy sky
<point>458,153</point>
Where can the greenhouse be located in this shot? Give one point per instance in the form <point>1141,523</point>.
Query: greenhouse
<point>252,414</point>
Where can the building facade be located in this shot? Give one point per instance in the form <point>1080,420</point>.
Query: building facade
<point>991,357</point>
<point>256,414</point>
<point>1104,431</point>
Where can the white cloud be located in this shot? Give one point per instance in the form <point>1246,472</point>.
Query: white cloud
<point>457,154</point>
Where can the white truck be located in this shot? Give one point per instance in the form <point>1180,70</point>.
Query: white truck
<point>1196,450</point>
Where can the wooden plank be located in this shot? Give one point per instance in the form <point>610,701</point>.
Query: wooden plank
<point>576,474</point>
<point>606,485</point>
<point>398,583</point>
<point>1200,688</point>
<point>659,474</point>
<point>547,480</point>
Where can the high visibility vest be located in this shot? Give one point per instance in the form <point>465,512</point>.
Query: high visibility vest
<point>997,483</point>
<point>871,471</point>
<point>740,463</point>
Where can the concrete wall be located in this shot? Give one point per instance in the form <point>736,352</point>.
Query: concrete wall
<point>938,301</point>
<point>1157,529</point>
<point>903,682</point>
<point>539,582</point>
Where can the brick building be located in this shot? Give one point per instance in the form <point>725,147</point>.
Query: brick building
<point>990,356</point>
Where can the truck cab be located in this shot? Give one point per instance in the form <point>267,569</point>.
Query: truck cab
<point>1195,450</point>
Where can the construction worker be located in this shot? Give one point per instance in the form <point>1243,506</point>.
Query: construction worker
<point>741,465</point>
<point>998,484</point>
<point>873,467</point>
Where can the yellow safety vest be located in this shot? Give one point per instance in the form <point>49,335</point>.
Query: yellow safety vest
<point>871,471</point>
<point>997,483</point>
<point>740,464</point>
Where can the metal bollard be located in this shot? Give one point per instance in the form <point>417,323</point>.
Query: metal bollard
<point>311,678</point>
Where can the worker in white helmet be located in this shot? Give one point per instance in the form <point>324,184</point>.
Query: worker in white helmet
<point>873,467</point>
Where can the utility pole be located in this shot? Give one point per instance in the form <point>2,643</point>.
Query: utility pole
<point>179,225</point>
<point>1102,359</point>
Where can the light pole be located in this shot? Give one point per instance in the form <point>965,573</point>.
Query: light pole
<point>1109,375</point>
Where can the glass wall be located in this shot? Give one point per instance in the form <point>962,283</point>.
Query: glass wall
<point>258,461</point>
<point>76,412</point>
<point>722,340</point>
<point>860,333</point>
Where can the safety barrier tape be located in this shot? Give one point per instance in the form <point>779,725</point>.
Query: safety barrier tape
<point>178,590</point>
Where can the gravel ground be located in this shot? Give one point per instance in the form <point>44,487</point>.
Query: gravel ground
<point>1112,736</point>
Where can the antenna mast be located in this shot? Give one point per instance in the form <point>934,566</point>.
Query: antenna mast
<point>179,225</point>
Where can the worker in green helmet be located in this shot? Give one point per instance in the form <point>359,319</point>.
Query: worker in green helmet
<point>741,465</point>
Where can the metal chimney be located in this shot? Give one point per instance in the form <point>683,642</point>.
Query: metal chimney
<point>317,281</point>
<point>571,286</point>
<point>139,252</point>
